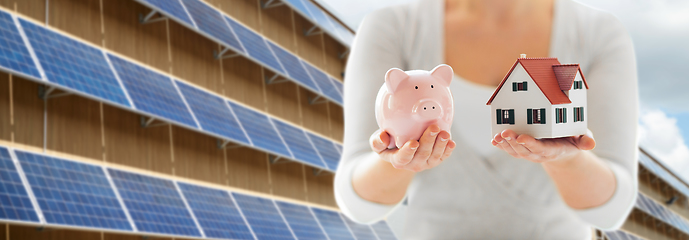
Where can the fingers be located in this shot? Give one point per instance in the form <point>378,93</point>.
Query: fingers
<point>426,143</point>
<point>379,141</point>
<point>446,153</point>
<point>405,154</point>
<point>502,144</point>
<point>586,142</point>
<point>511,139</point>
<point>438,149</point>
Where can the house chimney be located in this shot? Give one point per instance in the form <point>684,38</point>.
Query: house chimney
<point>523,55</point>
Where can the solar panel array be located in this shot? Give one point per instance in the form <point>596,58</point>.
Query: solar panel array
<point>77,67</point>
<point>621,235</point>
<point>242,40</point>
<point>69,193</point>
<point>320,18</point>
<point>660,172</point>
<point>662,213</point>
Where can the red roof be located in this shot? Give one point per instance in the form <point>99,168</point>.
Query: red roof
<point>549,75</point>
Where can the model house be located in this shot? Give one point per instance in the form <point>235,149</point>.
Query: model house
<point>542,98</point>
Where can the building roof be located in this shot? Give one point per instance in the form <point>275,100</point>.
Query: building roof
<point>549,75</point>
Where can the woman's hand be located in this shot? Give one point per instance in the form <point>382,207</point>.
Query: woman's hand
<point>542,150</point>
<point>416,156</point>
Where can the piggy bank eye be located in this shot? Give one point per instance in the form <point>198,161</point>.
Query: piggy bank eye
<point>431,85</point>
<point>416,87</point>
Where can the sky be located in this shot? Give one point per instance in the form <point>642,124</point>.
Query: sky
<point>660,31</point>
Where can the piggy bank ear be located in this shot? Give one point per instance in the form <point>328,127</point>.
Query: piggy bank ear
<point>394,77</point>
<point>443,72</point>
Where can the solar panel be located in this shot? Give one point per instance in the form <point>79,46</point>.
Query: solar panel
<point>326,150</point>
<point>333,224</point>
<point>319,17</point>
<point>345,35</point>
<point>652,166</point>
<point>262,133</point>
<point>212,113</point>
<point>152,92</point>
<point>71,193</point>
<point>302,222</point>
<point>172,8</point>
<point>383,231</point>
<point>294,68</point>
<point>299,144</point>
<point>255,45</point>
<point>621,235</point>
<point>338,147</point>
<point>299,6</point>
<point>212,23</point>
<point>323,82</point>
<point>154,204</point>
<point>216,212</point>
<point>15,203</point>
<point>263,217</point>
<point>14,55</point>
<point>338,86</point>
<point>360,231</point>
<point>74,65</point>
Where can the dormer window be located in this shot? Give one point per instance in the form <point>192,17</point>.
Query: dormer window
<point>518,86</point>
<point>578,84</point>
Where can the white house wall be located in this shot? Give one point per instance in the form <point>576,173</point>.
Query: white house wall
<point>571,128</point>
<point>520,101</point>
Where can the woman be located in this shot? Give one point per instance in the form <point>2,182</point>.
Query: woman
<point>465,184</point>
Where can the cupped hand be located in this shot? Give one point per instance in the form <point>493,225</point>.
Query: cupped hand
<point>542,150</point>
<point>416,156</point>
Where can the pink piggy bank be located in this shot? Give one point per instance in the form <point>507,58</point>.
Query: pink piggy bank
<point>411,101</point>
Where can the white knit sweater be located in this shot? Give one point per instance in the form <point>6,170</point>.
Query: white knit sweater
<point>479,192</point>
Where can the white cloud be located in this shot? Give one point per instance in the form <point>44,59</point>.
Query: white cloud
<point>660,135</point>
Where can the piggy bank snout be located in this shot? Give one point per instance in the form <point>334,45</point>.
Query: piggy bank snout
<point>428,109</point>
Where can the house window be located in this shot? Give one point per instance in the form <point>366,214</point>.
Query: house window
<point>578,84</point>
<point>519,86</point>
<point>578,114</point>
<point>505,116</point>
<point>535,116</point>
<point>560,115</point>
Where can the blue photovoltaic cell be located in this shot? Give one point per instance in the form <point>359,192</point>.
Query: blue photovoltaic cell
<point>71,193</point>
<point>211,22</point>
<point>332,224</point>
<point>172,8</point>
<point>154,204</point>
<point>383,231</point>
<point>340,32</point>
<point>662,213</point>
<point>319,16</point>
<point>262,133</point>
<point>299,6</point>
<point>212,113</point>
<point>338,147</point>
<point>338,85</point>
<point>152,92</point>
<point>621,235</point>
<point>263,217</point>
<point>14,54</point>
<point>360,231</point>
<point>299,144</point>
<point>73,64</point>
<point>302,222</point>
<point>216,212</point>
<point>293,66</point>
<point>255,46</point>
<point>15,203</point>
<point>324,83</point>
<point>327,151</point>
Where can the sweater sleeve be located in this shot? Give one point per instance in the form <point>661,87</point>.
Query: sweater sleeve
<point>376,48</point>
<point>612,116</point>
